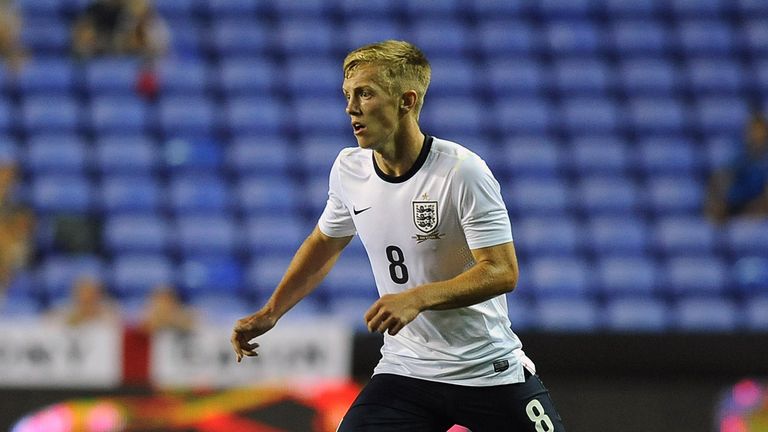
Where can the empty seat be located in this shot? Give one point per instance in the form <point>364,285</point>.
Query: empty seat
<point>136,233</point>
<point>57,274</point>
<point>436,9</point>
<point>533,196</point>
<point>299,8</point>
<point>324,74</point>
<point>598,154</point>
<point>583,75</point>
<point>364,31</point>
<point>500,36</point>
<point>138,274</point>
<point>755,35</point>
<point>747,236</point>
<point>567,315</point>
<point>137,194</point>
<point>547,235</point>
<point>608,195</point>
<point>573,37</point>
<point>56,154</point>
<point>195,193</point>
<point>238,36</point>
<point>532,155</point>
<point>639,37</point>
<point>633,8</point>
<point>705,314</point>
<point>684,235</point>
<point>126,154</point>
<point>726,114</point>
<point>321,115</point>
<point>523,115</point>
<point>700,274</point>
<point>756,312</point>
<point>50,113</point>
<point>574,8</point>
<point>232,8</point>
<point>240,76</point>
<point>674,195</point>
<point>667,154</point>
<point>657,115</point>
<point>187,114</point>
<point>197,154</point>
<point>207,234</point>
<point>175,8</point>
<point>623,275</point>
<point>265,234</point>
<point>514,76</point>
<point>62,193</point>
<point>500,7</point>
<point>649,76</point>
<point>305,35</point>
<point>217,275</point>
<point>112,76</point>
<point>9,149</point>
<point>220,310</point>
<point>720,75</point>
<point>351,311</point>
<point>8,119</point>
<point>705,37</point>
<point>642,314</point>
<point>699,7</point>
<point>750,273</point>
<point>184,77</point>
<point>617,235</point>
<point>317,153</point>
<point>430,35</point>
<point>265,272</point>
<point>350,277</point>
<point>258,155</point>
<point>118,115</point>
<point>591,115</point>
<point>560,277</point>
<point>50,75</point>
<point>255,115</point>
<point>46,35</point>
<point>452,77</point>
<point>454,115</point>
<point>267,196</point>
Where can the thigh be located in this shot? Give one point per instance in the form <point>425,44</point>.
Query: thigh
<point>523,407</point>
<point>397,404</point>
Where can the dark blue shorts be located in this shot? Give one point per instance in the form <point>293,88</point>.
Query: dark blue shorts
<point>402,404</point>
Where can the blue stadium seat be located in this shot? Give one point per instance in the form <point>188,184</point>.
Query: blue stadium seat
<point>588,75</point>
<point>199,155</point>
<point>598,154</point>
<point>520,311</point>
<point>317,152</point>
<point>674,195</point>
<point>616,235</point>
<point>9,149</point>
<point>56,274</point>
<point>232,8</point>
<point>755,35</point>
<point>560,277</point>
<point>634,8</point>
<point>254,155</point>
<point>607,195</point>
<point>59,193</point>
<point>705,314</point>
<point>751,8</point>
<point>126,154</point>
<point>507,76</point>
<point>532,155</point>
<point>690,235</point>
<point>747,236</point>
<point>726,114</point>
<point>46,35</point>
<point>188,36</point>
<point>567,315</point>
<point>547,236</point>
<point>591,115</point>
<point>484,8</point>
<point>431,36</point>
<point>453,77</point>
<point>238,36</point>
<point>295,36</point>
<point>125,115</point>
<point>299,8</point>
<point>49,75</point>
<point>699,7</point>
<point>138,274</point>
<point>48,8</point>
<point>350,277</point>
<point>198,234</point>
<point>56,154</point>
<point>112,75</point>
<point>696,274</point>
<point>265,234</point>
<point>639,37</point>
<point>572,9</point>
<point>8,119</point>
<point>219,310</point>
<point>523,115</point>
<point>265,272</point>
<point>133,193</point>
<point>321,115</point>
<point>750,274</point>
<point>449,116</point>
<point>137,233</point>
<point>351,311</point>
<point>218,275</point>
<point>534,196</point>
<point>187,114</point>
<point>50,113</point>
<point>498,37</point>
<point>267,196</point>
<point>311,76</point>
<point>378,8</point>
<point>756,312</point>
<point>657,115</point>
<point>637,315</point>
<point>315,195</point>
<point>573,37</point>
<point>667,154</point>
<point>623,275</point>
<point>184,77</point>
<point>20,308</point>
<point>239,76</point>
<point>445,8</point>
<point>649,76</point>
<point>761,74</point>
<point>362,31</point>
<point>199,194</point>
<point>705,37</point>
<point>720,75</point>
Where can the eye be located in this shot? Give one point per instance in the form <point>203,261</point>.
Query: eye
<point>366,93</point>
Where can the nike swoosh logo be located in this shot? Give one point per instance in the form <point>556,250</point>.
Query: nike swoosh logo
<point>357,212</point>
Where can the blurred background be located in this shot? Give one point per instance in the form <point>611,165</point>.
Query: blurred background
<point>162,160</point>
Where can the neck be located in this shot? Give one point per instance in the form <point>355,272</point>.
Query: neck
<point>399,156</point>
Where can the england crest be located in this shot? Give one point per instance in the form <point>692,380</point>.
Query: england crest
<point>425,215</point>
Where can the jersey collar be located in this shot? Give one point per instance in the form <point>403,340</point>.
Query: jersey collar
<point>412,170</point>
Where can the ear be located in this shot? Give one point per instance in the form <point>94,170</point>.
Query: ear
<point>408,101</point>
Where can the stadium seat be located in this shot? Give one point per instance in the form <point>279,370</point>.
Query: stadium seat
<point>430,36</point>
<point>591,115</point>
<point>314,195</point>
<point>532,155</point>
<point>747,236</point>
<point>187,38</point>
<point>500,37</point>
<point>320,115</point>
<point>217,310</point>
<point>445,8</point>
<point>48,8</point>
<point>267,196</point>
<point>238,36</point>
<point>265,272</point>
<point>524,115</point>
<point>138,274</point>
<point>62,193</point>
<point>667,154</point>
<point>175,8</point>
<point>9,149</point>
<point>51,113</point>
<point>696,274</point>
<point>533,196</point>
<point>705,37</point>
<point>242,76</point>
<point>554,235</point>
<point>573,37</point>
<point>633,37</point>
<point>453,77</point>
<point>518,76</point>
<point>607,195</point>
<point>520,311</point>
<point>633,8</point>
<point>198,234</point>
<point>296,36</point>
<point>750,274</point>
<point>126,154</point>
<point>299,8</point>
<point>657,115</point>
<point>316,153</point>
<point>350,277</point>
<point>199,155</point>
<point>351,311</point>
<point>756,312</point>
<point>219,275</point>
<point>113,76</point>
<point>185,77</point>
<point>685,8</point>
<point>260,155</point>
<point>627,275</point>
<point>722,76</point>
<point>705,314</point>
<point>684,235</point>
<point>198,193</point>
<point>721,150</point>
<point>266,234</point>
<point>125,115</point>
<point>46,35</point>
<point>8,121</point>
<point>192,115</point>
<point>641,314</point>
<point>751,8</point>
<point>484,8</point>
<point>560,277</point>
<point>572,9</point>
<point>56,154</point>
<point>616,235</point>
<point>674,195</point>
<point>57,274</point>
<point>598,154</point>
<point>311,76</point>
<point>137,233</point>
<point>255,115</point>
<point>364,31</point>
<point>49,75</point>
<point>378,8</point>
<point>726,114</point>
<point>232,8</point>
<point>588,76</point>
<point>755,35</point>
<point>647,76</point>
<point>448,116</point>
<point>132,194</point>
<point>567,315</point>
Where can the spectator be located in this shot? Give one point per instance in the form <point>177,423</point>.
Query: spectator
<point>165,311</point>
<point>116,27</point>
<point>11,49</point>
<point>16,227</point>
<point>741,188</point>
<point>89,304</point>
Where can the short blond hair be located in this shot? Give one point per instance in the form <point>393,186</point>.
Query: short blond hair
<point>402,66</point>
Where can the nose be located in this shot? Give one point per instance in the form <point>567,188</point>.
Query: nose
<point>352,106</point>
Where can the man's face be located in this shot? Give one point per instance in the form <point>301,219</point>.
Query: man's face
<point>373,111</point>
<point>757,137</point>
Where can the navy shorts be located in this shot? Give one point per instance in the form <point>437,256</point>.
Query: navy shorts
<point>401,404</point>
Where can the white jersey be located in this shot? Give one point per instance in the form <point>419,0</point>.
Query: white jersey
<point>419,228</point>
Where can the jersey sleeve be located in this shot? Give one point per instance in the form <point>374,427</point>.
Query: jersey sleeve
<point>481,209</point>
<point>336,220</point>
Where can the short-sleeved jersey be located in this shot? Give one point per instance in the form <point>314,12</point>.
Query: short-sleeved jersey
<point>419,228</point>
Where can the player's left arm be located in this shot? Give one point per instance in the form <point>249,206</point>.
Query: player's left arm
<point>495,272</point>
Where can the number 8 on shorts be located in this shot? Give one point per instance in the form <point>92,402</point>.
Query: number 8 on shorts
<point>539,418</point>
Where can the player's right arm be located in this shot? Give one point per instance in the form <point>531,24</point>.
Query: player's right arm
<point>307,269</point>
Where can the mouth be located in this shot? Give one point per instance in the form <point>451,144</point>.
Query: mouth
<point>358,127</point>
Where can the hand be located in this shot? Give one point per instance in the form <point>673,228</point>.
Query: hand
<point>248,328</point>
<point>392,312</point>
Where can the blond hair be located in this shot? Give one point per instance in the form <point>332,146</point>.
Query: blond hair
<point>402,67</point>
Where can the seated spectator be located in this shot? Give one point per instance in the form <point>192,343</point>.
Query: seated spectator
<point>741,188</point>
<point>88,304</point>
<point>11,49</point>
<point>16,227</point>
<point>115,27</point>
<point>165,311</point>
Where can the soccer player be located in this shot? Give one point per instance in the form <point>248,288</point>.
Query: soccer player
<point>437,234</point>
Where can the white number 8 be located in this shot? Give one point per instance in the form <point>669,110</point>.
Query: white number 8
<point>537,415</point>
